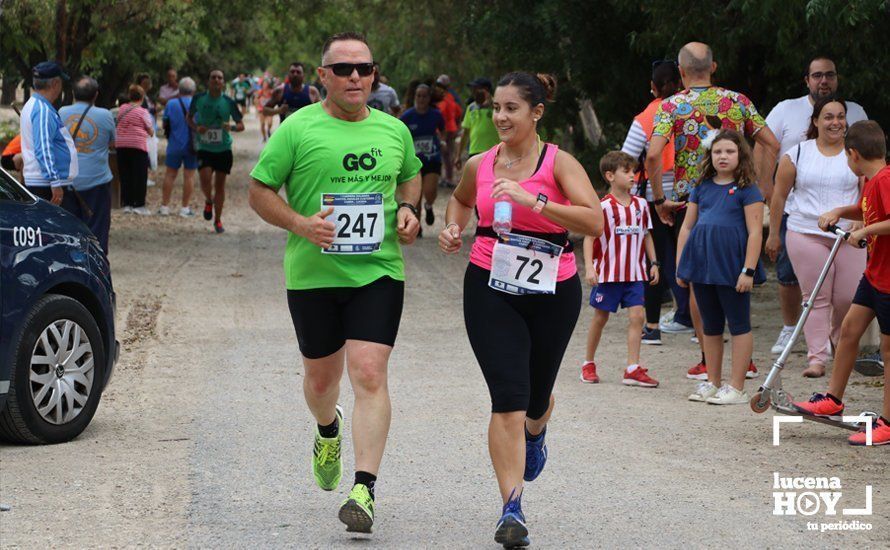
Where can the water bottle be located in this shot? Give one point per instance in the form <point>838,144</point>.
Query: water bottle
<point>503,217</point>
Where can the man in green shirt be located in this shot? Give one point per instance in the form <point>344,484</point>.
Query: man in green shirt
<point>351,179</point>
<point>209,115</point>
<point>479,131</point>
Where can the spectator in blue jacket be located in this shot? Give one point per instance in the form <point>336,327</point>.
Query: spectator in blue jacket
<point>47,148</point>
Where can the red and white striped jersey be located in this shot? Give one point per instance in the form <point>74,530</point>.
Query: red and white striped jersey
<point>619,253</point>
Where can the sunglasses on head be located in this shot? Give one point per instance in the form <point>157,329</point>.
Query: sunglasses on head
<point>345,69</point>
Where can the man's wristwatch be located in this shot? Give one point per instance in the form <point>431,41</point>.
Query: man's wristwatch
<point>409,206</point>
<point>540,204</point>
<point>659,202</point>
<point>655,263</point>
<point>748,271</point>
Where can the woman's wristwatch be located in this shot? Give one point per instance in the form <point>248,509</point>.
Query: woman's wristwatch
<point>659,202</point>
<point>540,204</point>
<point>748,271</point>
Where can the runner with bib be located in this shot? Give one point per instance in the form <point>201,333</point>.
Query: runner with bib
<point>209,115</point>
<point>522,294</point>
<point>291,96</point>
<point>352,180</point>
<point>426,124</point>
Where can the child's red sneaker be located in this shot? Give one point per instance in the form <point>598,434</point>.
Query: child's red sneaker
<point>880,434</point>
<point>698,372</point>
<point>823,405</point>
<point>638,377</point>
<point>588,373</point>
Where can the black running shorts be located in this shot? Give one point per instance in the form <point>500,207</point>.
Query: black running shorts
<point>868,296</point>
<point>324,318</point>
<point>218,162</point>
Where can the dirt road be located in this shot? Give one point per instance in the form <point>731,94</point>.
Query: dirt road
<point>203,440</point>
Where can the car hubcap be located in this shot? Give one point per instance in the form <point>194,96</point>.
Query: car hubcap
<point>61,371</point>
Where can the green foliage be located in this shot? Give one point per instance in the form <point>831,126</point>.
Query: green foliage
<point>599,50</point>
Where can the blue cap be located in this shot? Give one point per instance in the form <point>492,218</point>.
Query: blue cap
<point>49,69</point>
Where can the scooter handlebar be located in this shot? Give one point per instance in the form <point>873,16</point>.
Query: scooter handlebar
<point>845,234</point>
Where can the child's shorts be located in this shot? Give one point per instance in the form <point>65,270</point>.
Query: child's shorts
<point>875,300</point>
<point>608,296</point>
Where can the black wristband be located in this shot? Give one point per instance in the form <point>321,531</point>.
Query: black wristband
<point>409,206</point>
<point>659,202</point>
<point>748,271</point>
<point>656,263</point>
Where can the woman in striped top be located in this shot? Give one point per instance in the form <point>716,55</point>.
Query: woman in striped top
<point>134,127</point>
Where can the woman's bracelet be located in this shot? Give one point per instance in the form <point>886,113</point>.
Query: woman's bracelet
<point>454,224</point>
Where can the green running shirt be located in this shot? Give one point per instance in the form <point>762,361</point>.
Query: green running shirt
<point>214,112</point>
<point>313,153</point>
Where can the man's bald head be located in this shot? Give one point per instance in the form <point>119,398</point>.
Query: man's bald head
<point>696,59</point>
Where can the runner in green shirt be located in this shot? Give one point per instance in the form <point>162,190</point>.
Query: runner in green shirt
<point>351,179</point>
<point>209,115</point>
<point>479,133</point>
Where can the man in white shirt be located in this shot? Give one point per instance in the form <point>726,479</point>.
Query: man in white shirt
<point>789,121</point>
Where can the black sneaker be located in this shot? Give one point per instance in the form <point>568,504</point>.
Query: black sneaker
<point>208,211</point>
<point>651,336</point>
<point>430,216</point>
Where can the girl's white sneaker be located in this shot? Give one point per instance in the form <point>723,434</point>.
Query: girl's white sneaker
<point>727,395</point>
<point>704,391</point>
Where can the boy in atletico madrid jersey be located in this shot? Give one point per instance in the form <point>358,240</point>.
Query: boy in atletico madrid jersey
<point>616,268</point>
<point>866,150</point>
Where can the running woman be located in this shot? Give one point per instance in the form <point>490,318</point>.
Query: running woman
<point>522,294</point>
<point>426,125</point>
<point>209,115</point>
<point>352,181</point>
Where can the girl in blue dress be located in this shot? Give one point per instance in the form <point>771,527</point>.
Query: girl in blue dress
<point>718,251</point>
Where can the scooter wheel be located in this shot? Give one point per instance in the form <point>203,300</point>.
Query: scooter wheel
<point>760,402</point>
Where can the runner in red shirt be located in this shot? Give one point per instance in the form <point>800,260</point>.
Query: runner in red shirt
<point>866,149</point>
<point>451,112</point>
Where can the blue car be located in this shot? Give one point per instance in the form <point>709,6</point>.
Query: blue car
<point>57,309</point>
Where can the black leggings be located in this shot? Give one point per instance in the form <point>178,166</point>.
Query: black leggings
<point>132,167</point>
<point>519,341</point>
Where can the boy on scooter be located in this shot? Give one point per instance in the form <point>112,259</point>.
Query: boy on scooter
<point>866,149</point>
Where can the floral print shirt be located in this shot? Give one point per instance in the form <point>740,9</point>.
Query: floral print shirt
<point>689,115</point>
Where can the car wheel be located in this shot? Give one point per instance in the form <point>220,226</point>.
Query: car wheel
<point>57,372</point>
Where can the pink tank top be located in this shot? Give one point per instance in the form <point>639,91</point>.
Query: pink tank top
<point>542,181</point>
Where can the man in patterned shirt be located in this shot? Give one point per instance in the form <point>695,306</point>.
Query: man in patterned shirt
<point>689,116</point>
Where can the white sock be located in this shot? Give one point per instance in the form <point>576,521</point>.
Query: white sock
<point>631,368</point>
<point>586,363</point>
<point>789,328</point>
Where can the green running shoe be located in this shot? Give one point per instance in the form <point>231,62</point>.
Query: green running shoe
<point>357,511</point>
<point>326,464</point>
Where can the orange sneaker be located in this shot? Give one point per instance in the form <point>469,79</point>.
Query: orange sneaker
<point>698,372</point>
<point>823,405</point>
<point>752,370</point>
<point>588,373</point>
<point>638,377</point>
<point>880,434</point>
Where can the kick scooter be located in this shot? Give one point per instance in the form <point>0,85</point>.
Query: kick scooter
<point>771,392</point>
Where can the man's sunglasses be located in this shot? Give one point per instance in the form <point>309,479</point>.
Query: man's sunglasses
<point>345,69</point>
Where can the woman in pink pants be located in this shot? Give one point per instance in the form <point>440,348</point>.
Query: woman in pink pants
<point>817,171</point>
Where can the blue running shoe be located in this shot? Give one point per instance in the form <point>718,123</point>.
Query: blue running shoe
<point>511,531</point>
<point>535,455</point>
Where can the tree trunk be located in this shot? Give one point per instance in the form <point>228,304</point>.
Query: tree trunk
<point>7,97</point>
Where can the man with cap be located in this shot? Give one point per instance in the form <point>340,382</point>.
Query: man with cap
<point>445,81</point>
<point>479,133</point>
<point>47,148</point>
